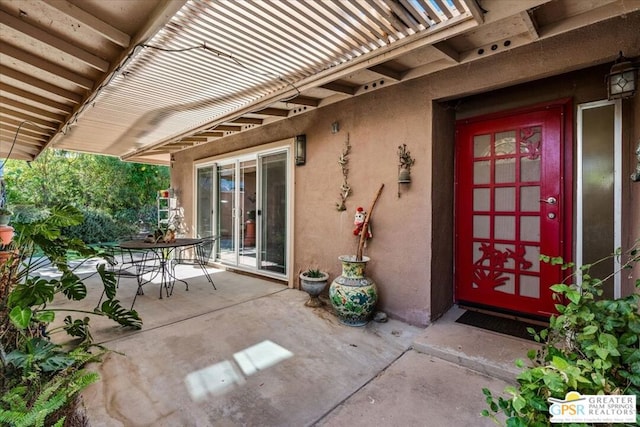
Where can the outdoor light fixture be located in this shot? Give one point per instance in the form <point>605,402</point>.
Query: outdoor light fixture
<point>622,79</point>
<point>301,149</point>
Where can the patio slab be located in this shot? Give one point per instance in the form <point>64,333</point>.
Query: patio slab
<point>144,377</point>
<point>207,358</point>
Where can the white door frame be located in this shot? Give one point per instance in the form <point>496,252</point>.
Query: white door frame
<point>236,159</point>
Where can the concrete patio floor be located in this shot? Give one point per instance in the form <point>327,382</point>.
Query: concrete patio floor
<point>194,363</point>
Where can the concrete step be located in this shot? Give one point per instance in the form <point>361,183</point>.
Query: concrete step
<point>487,352</point>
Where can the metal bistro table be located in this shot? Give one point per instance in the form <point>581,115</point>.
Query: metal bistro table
<point>163,251</point>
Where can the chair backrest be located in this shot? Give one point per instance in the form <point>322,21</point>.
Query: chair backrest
<point>205,249</point>
<point>119,259</point>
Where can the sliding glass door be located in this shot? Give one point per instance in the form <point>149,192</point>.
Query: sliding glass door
<point>247,214</point>
<point>226,213</point>
<point>273,218</point>
<point>204,202</point>
<point>244,201</point>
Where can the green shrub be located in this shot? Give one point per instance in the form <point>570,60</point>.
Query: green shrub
<point>591,347</point>
<point>100,227</point>
<point>27,214</point>
<point>145,216</point>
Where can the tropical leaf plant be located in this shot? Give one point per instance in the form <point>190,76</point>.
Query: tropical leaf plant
<point>41,379</point>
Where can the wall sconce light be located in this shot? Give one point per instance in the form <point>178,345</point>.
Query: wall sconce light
<point>622,79</point>
<point>301,149</point>
<point>335,127</point>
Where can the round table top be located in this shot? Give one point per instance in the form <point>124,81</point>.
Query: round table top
<point>141,244</point>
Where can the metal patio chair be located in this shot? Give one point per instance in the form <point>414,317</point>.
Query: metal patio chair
<point>197,255</point>
<point>131,264</point>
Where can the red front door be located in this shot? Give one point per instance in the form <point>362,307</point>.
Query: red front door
<point>509,210</point>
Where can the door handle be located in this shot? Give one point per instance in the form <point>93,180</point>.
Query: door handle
<point>550,200</point>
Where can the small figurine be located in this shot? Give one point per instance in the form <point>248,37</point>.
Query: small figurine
<point>358,221</point>
<point>170,235</point>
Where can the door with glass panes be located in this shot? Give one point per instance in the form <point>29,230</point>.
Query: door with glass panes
<point>244,201</point>
<point>509,210</point>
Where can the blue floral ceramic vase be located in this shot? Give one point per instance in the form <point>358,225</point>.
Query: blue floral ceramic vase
<point>353,296</point>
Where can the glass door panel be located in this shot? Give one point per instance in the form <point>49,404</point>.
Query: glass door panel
<point>226,213</point>
<point>599,192</point>
<point>204,201</point>
<point>247,243</point>
<point>272,216</point>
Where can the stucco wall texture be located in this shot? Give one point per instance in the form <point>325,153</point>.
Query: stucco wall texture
<point>376,123</point>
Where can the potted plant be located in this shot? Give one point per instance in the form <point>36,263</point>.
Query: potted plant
<point>313,282</point>
<point>5,216</point>
<point>6,231</point>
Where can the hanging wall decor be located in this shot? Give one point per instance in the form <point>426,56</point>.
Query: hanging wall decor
<point>405,161</point>
<point>345,189</point>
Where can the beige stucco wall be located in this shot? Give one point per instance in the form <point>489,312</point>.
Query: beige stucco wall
<point>376,123</point>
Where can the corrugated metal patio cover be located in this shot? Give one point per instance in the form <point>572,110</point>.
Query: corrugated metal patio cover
<point>215,58</point>
<point>141,79</point>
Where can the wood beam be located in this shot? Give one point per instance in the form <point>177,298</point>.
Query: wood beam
<point>497,10</point>
<point>431,12</point>
<point>386,13</point>
<point>279,112</point>
<point>47,66</point>
<point>444,48</point>
<point>443,7</point>
<point>19,152</point>
<point>339,87</point>
<point>161,15</point>
<point>194,139</point>
<point>248,121</point>
<point>386,71</point>
<point>49,39</point>
<point>228,128</point>
<point>35,98</point>
<point>23,139</point>
<point>590,17</point>
<point>304,100</point>
<point>25,136</point>
<point>473,7</point>
<point>211,134</point>
<point>31,109</point>
<point>25,117</point>
<point>40,84</point>
<point>10,125</point>
<point>404,15</point>
<point>160,150</point>
<point>531,25</point>
<point>96,25</point>
<point>415,13</point>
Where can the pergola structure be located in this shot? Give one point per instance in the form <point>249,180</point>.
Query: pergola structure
<point>143,79</point>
